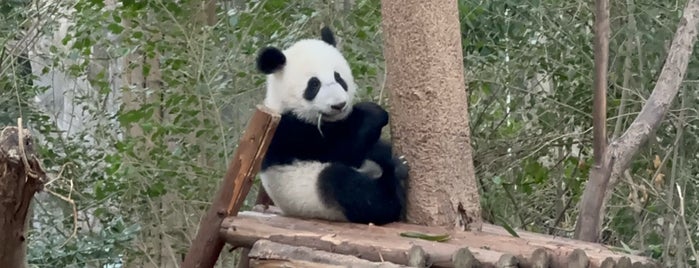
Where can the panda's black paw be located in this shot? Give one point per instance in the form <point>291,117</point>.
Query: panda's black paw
<point>373,113</point>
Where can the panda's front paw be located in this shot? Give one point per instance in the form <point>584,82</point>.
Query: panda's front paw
<point>373,113</point>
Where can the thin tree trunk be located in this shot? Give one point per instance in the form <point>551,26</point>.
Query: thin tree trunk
<point>429,111</point>
<point>588,219</point>
<point>621,151</point>
<point>21,176</point>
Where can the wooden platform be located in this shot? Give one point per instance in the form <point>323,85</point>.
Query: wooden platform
<point>492,247</point>
<point>277,241</point>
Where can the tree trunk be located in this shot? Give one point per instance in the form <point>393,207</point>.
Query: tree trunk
<point>429,111</point>
<point>588,220</point>
<point>21,176</point>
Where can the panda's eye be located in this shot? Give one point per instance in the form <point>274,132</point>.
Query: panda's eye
<point>339,80</point>
<point>312,88</point>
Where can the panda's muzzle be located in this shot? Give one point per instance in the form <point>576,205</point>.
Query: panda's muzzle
<point>339,107</point>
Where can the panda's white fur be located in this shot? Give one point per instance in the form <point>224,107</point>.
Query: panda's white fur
<point>290,186</point>
<point>294,184</point>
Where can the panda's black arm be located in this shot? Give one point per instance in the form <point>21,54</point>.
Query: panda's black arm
<point>353,138</point>
<point>347,141</point>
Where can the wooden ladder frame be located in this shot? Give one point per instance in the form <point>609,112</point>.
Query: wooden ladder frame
<point>235,186</point>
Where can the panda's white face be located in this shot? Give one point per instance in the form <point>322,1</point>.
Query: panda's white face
<point>311,78</point>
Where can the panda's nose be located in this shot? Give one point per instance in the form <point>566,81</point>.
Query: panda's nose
<point>338,106</point>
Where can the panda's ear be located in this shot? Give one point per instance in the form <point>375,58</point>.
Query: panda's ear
<point>327,36</point>
<point>270,60</point>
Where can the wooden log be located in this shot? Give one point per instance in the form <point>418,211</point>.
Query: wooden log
<point>262,202</point>
<point>463,258</point>
<point>21,176</point>
<point>417,257</point>
<point>246,162</point>
<point>368,242</point>
<point>265,253</point>
<point>624,262</point>
<point>540,258</point>
<point>497,238</point>
<point>507,261</point>
<point>608,263</point>
<point>373,242</point>
<point>578,259</point>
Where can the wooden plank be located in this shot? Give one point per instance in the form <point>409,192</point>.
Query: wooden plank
<point>373,243</point>
<point>265,252</point>
<point>498,239</point>
<point>246,162</point>
<point>384,242</point>
<point>264,201</point>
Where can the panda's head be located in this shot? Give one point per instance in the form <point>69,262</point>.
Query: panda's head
<point>310,79</point>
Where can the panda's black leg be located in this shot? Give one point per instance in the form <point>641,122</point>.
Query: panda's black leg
<point>394,170</point>
<point>362,199</point>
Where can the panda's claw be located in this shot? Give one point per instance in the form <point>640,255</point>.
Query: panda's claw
<point>401,167</point>
<point>403,160</point>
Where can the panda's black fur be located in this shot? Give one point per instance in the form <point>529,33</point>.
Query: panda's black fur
<point>343,146</point>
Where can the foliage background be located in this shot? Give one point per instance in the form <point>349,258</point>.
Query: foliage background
<point>138,106</point>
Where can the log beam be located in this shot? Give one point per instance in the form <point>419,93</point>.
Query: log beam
<point>265,253</point>
<point>377,243</point>
<point>246,162</point>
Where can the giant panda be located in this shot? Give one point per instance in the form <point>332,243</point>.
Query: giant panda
<point>326,159</point>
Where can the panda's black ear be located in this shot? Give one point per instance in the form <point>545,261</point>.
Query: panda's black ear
<point>327,36</point>
<point>270,60</point>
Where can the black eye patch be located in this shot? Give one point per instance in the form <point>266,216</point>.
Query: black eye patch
<point>340,81</point>
<point>312,89</point>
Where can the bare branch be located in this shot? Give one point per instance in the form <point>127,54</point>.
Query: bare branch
<point>663,94</point>
<point>621,151</point>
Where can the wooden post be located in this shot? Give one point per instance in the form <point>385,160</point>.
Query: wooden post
<point>264,200</point>
<point>246,162</point>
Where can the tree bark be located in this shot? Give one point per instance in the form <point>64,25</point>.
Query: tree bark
<point>21,176</point>
<point>621,151</point>
<point>588,220</point>
<point>429,111</point>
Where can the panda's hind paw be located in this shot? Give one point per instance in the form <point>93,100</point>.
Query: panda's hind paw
<point>401,167</point>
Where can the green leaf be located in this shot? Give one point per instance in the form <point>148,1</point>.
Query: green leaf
<point>426,236</point>
<point>115,28</point>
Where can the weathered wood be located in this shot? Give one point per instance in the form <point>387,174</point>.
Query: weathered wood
<point>263,201</point>
<point>624,262</point>
<point>207,245</point>
<point>375,243</point>
<point>608,263</point>
<point>290,264</point>
<point>21,176</point>
<point>578,259</point>
<point>463,258</point>
<point>417,257</point>
<point>540,258</point>
<point>369,242</point>
<point>507,261</point>
<point>265,252</point>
